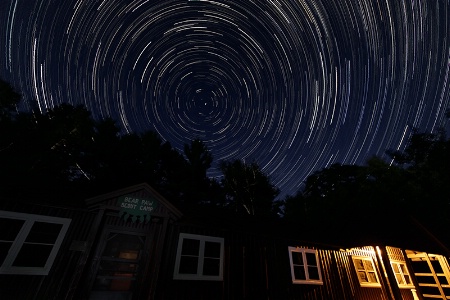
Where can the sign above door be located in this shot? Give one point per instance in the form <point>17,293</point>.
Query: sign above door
<point>138,209</point>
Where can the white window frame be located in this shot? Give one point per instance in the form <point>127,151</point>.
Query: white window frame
<point>29,219</point>
<point>199,276</point>
<point>303,251</point>
<point>402,274</point>
<point>362,283</point>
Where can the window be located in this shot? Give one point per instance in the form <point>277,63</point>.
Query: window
<point>432,273</point>
<point>365,270</point>
<point>29,243</point>
<point>305,267</point>
<point>199,257</point>
<point>401,274</point>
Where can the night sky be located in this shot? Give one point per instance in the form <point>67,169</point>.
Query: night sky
<point>294,85</point>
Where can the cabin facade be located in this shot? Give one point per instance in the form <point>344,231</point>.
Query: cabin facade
<point>134,244</point>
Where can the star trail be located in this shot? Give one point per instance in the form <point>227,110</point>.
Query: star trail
<point>293,85</point>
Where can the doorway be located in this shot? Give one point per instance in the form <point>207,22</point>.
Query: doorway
<point>119,264</point>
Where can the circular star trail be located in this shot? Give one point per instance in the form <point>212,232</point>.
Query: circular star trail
<point>293,85</point>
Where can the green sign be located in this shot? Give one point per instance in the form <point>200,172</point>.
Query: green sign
<point>138,209</point>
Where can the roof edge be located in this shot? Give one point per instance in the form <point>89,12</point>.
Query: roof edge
<point>130,189</point>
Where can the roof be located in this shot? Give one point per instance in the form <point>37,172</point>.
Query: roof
<point>139,190</point>
<point>374,228</point>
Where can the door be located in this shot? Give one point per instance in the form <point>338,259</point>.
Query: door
<point>118,266</point>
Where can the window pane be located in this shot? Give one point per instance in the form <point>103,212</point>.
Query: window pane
<point>124,246</point>
<point>45,233</point>
<point>190,247</point>
<point>442,279</point>
<point>431,290</point>
<point>372,277</point>
<point>299,273</point>
<point>395,267</point>
<point>32,255</point>
<point>421,266</point>
<point>427,279</point>
<point>10,228</point>
<point>119,283</point>
<point>313,273</point>
<point>399,278</point>
<point>363,277</point>
<point>297,258</point>
<point>212,249</point>
<point>4,248</point>
<point>311,259</point>
<point>188,265</point>
<point>211,266</point>
<point>368,265</point>
<point>407,279</point>
<point>114,268</point>
<point>359,264</point>
<point>129,254</point>
<point>403,269</point>
<point>437,266</point>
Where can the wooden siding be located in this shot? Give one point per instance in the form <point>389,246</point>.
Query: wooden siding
<point>64,274</point>
<point>257,267</point>
<point>154,232</point>
<point>256,259</point>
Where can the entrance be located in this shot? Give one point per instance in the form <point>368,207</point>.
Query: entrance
<point>118,266</point>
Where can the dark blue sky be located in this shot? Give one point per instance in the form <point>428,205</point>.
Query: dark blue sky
<point>293,85</point>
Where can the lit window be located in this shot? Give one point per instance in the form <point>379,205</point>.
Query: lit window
<point>305,267</point>
<point>29,243</point>
<point>366,272</point>
<point>401,274</point>
<point>199,257</point>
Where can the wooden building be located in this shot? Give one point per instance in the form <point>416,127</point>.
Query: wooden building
<point>134,244</point>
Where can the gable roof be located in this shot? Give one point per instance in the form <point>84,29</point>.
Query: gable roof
<point>142,190</point>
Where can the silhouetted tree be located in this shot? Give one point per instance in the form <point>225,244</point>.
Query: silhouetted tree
<point>9,99</point>
<point>197,184</point>
<point>334,192</point>
<point>64,155</point>
<point>295,208</point>
<point>45,152</point>
<point>121,160</point>
<point>426,160</point>
<point>171,173</point>
<point>249,191</point>
<point>415,184</point>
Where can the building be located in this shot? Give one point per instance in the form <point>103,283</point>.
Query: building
<point>134,244</point>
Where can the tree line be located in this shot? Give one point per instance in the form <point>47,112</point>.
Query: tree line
<point>64,155</point>
<point>411,186</point>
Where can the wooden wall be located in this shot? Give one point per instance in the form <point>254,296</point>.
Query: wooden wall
<point>257,267</point>
<point>65,273</point>
<point>256,262</point>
